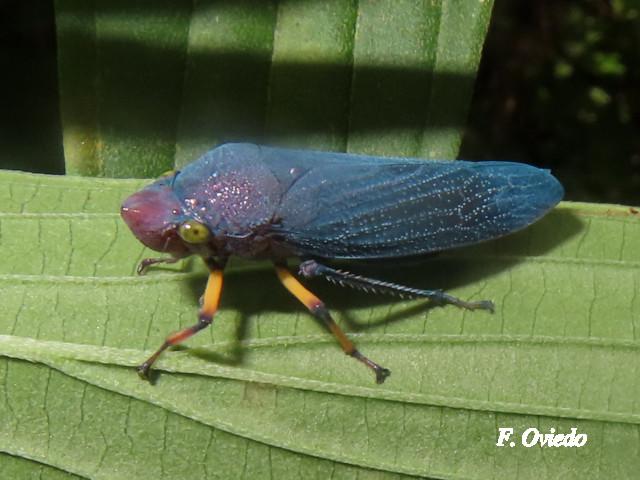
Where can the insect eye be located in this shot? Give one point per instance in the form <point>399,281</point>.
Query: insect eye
<point>194,232</point>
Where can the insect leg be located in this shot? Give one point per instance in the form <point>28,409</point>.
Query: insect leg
<point>210,301</point>
<point>311,268</point>
<point>318,310</point>
<point>147,262</point>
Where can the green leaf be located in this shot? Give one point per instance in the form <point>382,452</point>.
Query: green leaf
<point>385,77</point>
<point>18,467</point>
<point>266,392</point>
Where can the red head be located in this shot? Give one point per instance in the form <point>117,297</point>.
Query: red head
<point>153,215</point>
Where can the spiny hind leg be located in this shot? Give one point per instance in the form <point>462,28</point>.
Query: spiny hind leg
<point>318,310</point>
<point>311,268</point>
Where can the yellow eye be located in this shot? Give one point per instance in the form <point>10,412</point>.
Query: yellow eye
<point>194,232</point>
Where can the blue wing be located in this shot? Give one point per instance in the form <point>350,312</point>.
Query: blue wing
<point>354,206</point>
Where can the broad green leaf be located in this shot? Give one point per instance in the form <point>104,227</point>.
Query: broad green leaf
<point>146,87</point>
<point>18,467</point>
<point>265,392</point>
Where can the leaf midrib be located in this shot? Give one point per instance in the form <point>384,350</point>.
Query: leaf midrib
<point>52,353</point>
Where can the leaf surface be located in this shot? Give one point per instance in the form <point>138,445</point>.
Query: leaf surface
<point>266,391</point>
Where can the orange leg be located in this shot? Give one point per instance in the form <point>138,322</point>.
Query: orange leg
<point>318,310</point>
<point>211,299</point>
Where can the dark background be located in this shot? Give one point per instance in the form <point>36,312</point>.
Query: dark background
<point>557,87</point>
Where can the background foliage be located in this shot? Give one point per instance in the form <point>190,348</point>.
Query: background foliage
<point>558,84</point>
<point>557,87</point>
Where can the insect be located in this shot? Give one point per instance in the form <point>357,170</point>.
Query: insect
<point>260,202</point>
